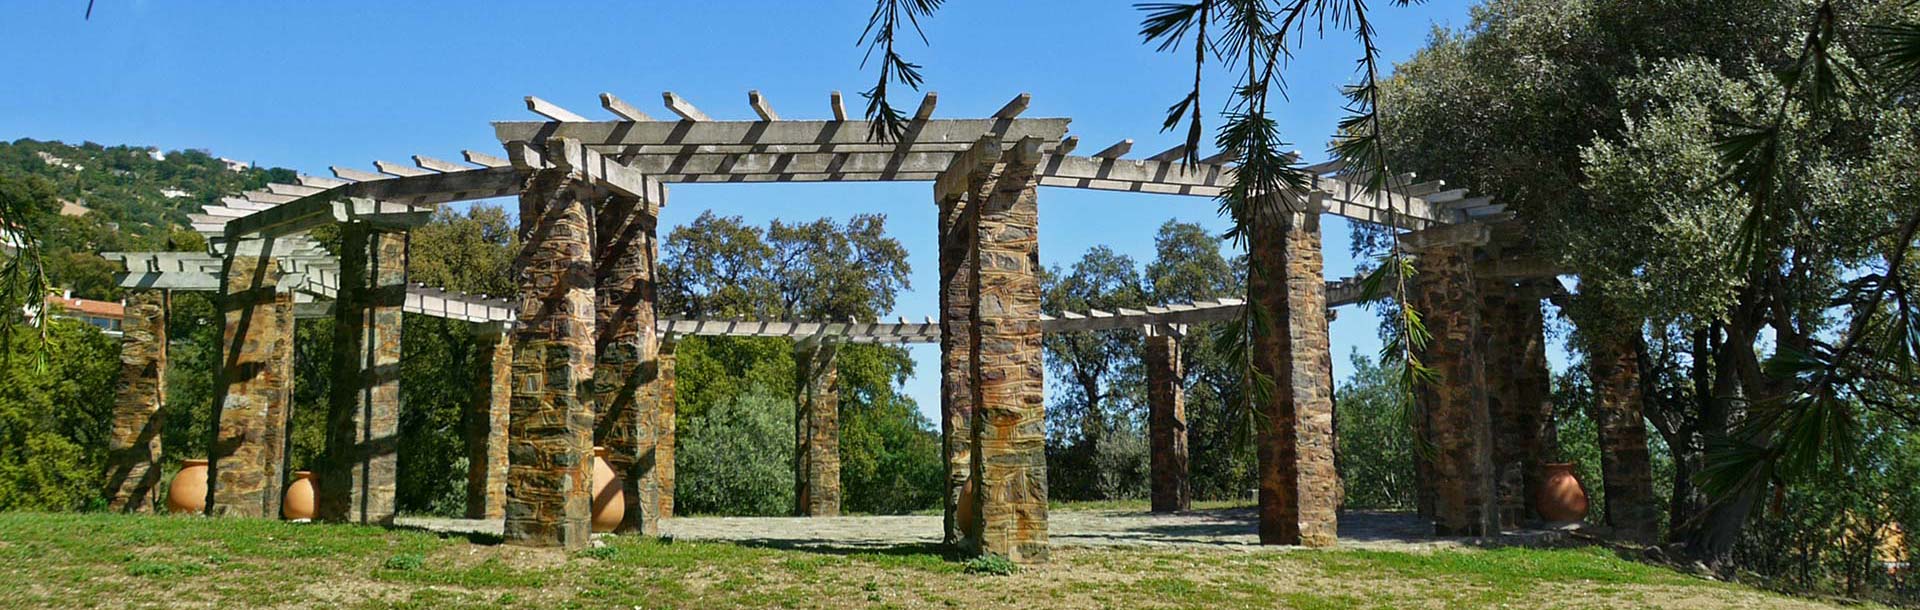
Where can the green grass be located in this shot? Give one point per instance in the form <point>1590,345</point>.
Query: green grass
<point>117,561</point>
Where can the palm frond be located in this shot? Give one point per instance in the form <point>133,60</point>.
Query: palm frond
<point>888,123</point>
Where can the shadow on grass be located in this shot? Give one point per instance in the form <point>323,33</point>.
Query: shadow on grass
<point>847,549</point>
<point>479,538</point>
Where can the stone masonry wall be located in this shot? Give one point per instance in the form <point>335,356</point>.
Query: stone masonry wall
<point>627,420</point>
<point>817,428</point>
<point>1613,364</point>
<point>134,442</point>
<point>487,429</point>
<point>957,398</point>
<point>1009,426</point>
<point>1501,352</point>
<point>550,430</point>
<point>1458,437</point>
<point>255,385</point>
<point>664,362</point>
<point>1299,486</point>
<point>1167,424</point>
<point>358,473</point>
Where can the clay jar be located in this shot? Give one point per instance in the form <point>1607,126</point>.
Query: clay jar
<point>1561,498</point>
<point>299,501</point>
<point>609,501</point>
<point>188,492</point>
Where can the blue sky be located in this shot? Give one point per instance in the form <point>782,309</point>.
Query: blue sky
<point>308,85</point>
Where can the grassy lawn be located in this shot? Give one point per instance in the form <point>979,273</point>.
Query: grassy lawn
<point>127,561</point>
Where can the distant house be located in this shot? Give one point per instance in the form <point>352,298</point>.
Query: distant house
<point>173,193</point>
<point>57,162</point>
<point>105,315</point>
<point>157,154</point>
<point>72,208</point>
<point>236,166</point>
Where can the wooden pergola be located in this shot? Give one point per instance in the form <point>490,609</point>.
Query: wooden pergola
<point>580,358</point>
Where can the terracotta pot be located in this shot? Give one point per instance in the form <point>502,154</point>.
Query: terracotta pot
<point>609,502</point>
<point>188,492</point>
<point>1561,499</point>
<point>299,501</point>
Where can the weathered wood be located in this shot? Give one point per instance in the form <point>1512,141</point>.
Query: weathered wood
<point>682,107</point>
<point>348,173</point>
<point>1117,150</point>
<point>839,106</point>
<point>395,169</point>
<point>437,165</point>
<point>1171,154</point>
<point>925,111</point>
<point>1014,107</point>
<point>483,159</point>
<point>761,107</point>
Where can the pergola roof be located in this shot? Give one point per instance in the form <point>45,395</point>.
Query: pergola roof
<point>637,155</point>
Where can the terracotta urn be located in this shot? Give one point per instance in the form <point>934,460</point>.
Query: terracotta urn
<point>298,504</point>
<point>188,492</point>
<point>609,501</point>
<point>1561,498</point>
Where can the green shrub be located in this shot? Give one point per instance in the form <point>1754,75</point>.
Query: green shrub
<point>991,564</point>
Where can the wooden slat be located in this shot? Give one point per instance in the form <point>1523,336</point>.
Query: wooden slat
<point>396,169</point>
<point>1066,145</point>
<point>839,106</point>
<point>348,173</point>
<point>1117,150</point>
<point>432,164</point>
<point>761,107</point>
<point>483,159</point>
<point>925,112</point>
<point>1014,107</point>
<point>1171,154</point>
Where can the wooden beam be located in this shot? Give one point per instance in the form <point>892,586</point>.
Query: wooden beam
<point>839,106</point>
<point>1066,145</point>
<point>682,107</point>
<point>319,182</point>
<point>348,173</point>
<point>1219,158</point>
<point>552,111</point>
<point>1014,107</point>
<point>624,137</point>
<point>295,190</point>
<point>1171,154</point>
<point>266,197</point>
<point>761,107</point>
<point>622,109</point>
<point>1117,150</point>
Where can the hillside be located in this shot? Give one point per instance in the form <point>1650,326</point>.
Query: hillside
<point>89,198</point>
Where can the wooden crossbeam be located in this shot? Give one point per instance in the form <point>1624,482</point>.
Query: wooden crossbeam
<point>761,107</point>
<point>483,159</point>
<point>552,111</point>
<point>292,189</point>
<point>395,169</point>
<point>348,173</point>
<point>839,106</point>
<point>1171,154</point>
<point>319,182</point>
<point>622,109</point>
<point>682,107</point>
<point>1066,145</point>
<point>436,165</point>
<point>925,112</point>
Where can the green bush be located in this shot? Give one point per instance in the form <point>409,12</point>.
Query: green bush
<point>54,411</point>
<point>737,458</point>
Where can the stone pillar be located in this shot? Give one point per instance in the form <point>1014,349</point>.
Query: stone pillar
<point>487,426</point>
<point>1459,442</point>
<point>664,363</point>
<point>254,387</point>
<point>1504,343</point>
<point>1299,486</point>
<point>550,430</point>
<point>1009,424</point>
<point>357,473</point>
<point>134,444</point>
<point>968,181</point>
<point>816,471</point>
<point>1613,365</point>
<point>1166,421</point>
<point>625,378</point>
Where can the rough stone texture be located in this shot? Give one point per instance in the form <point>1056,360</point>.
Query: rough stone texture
<point>134,442</point>
<point>550,430</point>
<point>1167,424</point>
<point>816,471</point>
<point>1504,345</point>
<point>357,475</point>
<point>1458,438</point>
<point>255,386</point>
<point>627,420</point>
<point>487,429</point>
<point>1299,486</point>
<point>1009,425</point>
<point>664,363</point>
<point>957,398</point>
<point>1613,364</point>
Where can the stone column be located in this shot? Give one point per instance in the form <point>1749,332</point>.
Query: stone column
<point>664,363</point>
<point>1613,365</point>
<point>969,180</point>
<point>1299,486</point>
<point>1459,442</point>
<point>134,444</point>
<point>550,430</point>
<point>255,385</point>
<point>1504,342</point>
<point>625,378</point>
<point>816,471</point>
<point>1166,421</point>
<point>357,473</point>
<point>1009,424</point>
<point>487,426</point>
